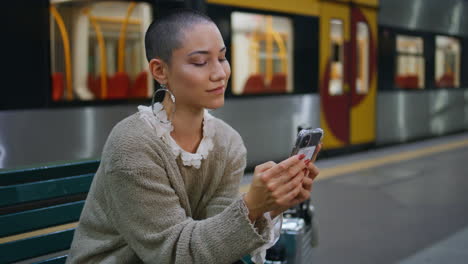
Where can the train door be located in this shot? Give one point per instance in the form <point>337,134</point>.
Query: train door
<point>363,73</point>
<point>335,93</point>
<point>348,78</point>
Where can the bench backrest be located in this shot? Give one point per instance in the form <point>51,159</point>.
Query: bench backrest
<point>39,209</point>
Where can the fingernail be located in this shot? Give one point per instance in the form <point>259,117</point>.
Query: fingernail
<point>307,162</point>
<point>301,156</point>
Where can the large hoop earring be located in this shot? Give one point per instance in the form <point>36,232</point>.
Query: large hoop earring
<point>171,95</point>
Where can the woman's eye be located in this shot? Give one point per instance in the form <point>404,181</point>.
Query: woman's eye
<point>199,64</point>
<point>222,59</point>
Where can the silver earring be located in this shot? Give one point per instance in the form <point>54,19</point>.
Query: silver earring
<point>171,95</point>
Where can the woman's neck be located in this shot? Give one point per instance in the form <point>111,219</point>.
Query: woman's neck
<point>188,126</point>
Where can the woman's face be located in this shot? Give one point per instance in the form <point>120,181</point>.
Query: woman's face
<point>199,72</point>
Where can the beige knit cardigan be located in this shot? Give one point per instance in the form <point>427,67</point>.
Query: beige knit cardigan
<point>144,206</point>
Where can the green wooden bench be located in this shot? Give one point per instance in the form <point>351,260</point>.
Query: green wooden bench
<point>39,209</point>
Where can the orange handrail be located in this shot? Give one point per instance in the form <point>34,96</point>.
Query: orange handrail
<point>254,47</point>
<point>116,20</point>
<point>102,53</point>
<point>270,37</point>
<point>282,51</point>
<point>66,46</point>
<point>123,32</point>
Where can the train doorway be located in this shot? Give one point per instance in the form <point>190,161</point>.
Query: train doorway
<point>363,74</point>
<point>334,78</point>
<point>347,73</point>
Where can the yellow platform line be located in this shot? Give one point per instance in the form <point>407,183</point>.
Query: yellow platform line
<point>326,173</point>
<point>393,158</point>
<point>38,232</point>
<point>356,166</point>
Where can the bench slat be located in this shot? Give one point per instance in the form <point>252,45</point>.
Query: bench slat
<point>18,176</point>
<point>56,260</point>
<point>35,246</point>
<point>43,190</point>
<point>40,218</point>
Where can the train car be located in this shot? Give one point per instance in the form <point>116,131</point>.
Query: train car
<point>422,70</point>
<point>368,72</point>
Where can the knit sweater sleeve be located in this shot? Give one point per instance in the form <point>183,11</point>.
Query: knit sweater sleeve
<point>147,212</point>
<point>228,189</point>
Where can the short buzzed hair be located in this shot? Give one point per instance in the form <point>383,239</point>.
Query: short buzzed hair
<point>165,34</point>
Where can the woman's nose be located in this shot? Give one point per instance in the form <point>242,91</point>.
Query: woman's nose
<point>218,72</point>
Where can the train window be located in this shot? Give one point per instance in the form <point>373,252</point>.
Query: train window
<point>97,50</point>
<point>337,57</point>
<point>410,62</point>
<point>362,58</point>
<point>262,54</point>
<point>447,62</point>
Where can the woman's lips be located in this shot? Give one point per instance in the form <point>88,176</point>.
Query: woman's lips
<point>218,90</point>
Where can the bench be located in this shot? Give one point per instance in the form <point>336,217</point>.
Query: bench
<point>39,210</point>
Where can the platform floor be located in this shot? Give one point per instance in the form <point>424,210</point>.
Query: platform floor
<point>405,204</point>
<point>401,204</point>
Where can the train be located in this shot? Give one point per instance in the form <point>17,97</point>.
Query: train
<point>368,72</point>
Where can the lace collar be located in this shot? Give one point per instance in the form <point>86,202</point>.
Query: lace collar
<point>163,131</point>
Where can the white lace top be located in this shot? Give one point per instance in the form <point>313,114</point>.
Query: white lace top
<point>163,131</point>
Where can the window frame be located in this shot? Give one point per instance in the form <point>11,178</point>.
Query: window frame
<point>305,47</point>
<point>460,63</point>
<point>418,55</point>
<point>387,58</point>
<point>341,55</point>
<point>359,62</point>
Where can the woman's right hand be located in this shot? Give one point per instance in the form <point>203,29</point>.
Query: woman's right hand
<point>275,185</point>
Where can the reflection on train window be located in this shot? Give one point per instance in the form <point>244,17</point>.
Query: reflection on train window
<point>447,66</point>
<point>362,55</point>
<point>97,50</point>
<point>337,57</point>
<point>410,62</point>
<point>261,54</point>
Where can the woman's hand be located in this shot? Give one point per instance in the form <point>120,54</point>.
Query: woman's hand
<point>275,186</point>
<point>311,171</point>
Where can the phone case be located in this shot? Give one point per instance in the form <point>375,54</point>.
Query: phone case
<point>307,141</point>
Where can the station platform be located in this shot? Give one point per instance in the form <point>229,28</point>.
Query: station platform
<point>401,204</point>
<point>404,204</point>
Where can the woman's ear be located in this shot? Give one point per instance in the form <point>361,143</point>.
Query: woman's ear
<point>158,70</point>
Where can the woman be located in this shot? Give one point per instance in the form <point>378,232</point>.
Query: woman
<point>166,190</point>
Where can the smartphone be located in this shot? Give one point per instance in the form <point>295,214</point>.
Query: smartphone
<point>307,142</point>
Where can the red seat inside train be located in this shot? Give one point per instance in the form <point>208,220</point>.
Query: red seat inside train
<point>278,83</point>
<point>120,86</point>
<point>447,80</point>
<point>139,89</point>
<point>93,86</point>
<point>58,85</point>
<point>255,84</point>
<point>407,81</point>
